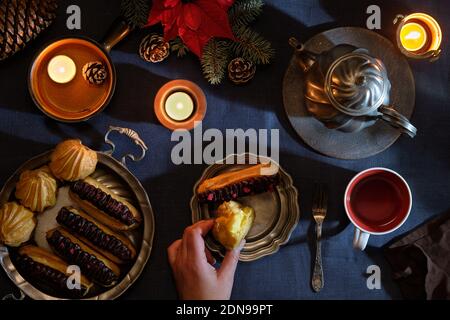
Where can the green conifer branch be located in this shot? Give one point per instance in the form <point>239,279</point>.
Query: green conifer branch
<point>177,45</point>
<point>135,11</point>
<point>251,46</point>
<point>243,12</point>
<point>215,60</point>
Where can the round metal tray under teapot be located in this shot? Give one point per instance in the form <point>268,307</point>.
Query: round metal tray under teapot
<point>349,145</point>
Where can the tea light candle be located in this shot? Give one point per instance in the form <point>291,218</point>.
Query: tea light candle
<point>419,36</point>
<point>179,106</point>
<point>413,36</point>
<point>61,69</point>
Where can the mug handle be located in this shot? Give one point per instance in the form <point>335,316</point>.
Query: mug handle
<point>395,119</point>
<point>360,239</point>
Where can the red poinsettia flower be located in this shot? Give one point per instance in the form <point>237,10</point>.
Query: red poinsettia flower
<point>194,21</point>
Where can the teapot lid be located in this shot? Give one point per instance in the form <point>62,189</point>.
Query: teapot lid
<point>357,83</point>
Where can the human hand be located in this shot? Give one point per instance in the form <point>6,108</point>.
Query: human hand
<point>192,265</point>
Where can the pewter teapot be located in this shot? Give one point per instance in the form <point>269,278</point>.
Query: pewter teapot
<point>347,89</point>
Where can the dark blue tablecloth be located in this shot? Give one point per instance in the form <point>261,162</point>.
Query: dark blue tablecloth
<point>423,161</point>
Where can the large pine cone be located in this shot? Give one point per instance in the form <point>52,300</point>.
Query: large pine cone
<point>154,48</point>
<point>241,70</point>
<point>21,21</point>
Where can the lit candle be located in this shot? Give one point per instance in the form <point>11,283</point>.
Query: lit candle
<point>179,106</point>
<point>419,36</point>
<point>413,36</point>
<point>61,69</point>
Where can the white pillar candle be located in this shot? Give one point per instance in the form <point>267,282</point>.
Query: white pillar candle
<point>61,69</point>
<point>179,106</point>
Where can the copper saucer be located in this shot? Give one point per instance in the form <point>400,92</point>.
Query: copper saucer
<point>196,94</point>
<point>77,100</point>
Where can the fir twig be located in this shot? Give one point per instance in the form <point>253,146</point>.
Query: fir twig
<point>243,12</point>
<point>215,60</point>
<point>251,46</point>
<point>135,11</point>
<point>177,45</point>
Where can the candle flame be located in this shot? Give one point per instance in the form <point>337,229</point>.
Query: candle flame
<point>413,35</point>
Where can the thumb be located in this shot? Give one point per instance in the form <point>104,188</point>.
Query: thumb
<point>229,263</point>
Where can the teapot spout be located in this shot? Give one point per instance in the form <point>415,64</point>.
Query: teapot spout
<point>305,58</point>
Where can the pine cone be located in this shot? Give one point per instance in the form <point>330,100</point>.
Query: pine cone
<point>240,70</point>
<point>154,48</point>
<point>21,21</point>
<point>95,72</point>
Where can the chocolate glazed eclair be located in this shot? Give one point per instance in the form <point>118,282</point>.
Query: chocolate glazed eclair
<point>44,267</point>
<point>94,265</point>
<point>112,245</point>
<point>99,201</point>
<point>232,185</point>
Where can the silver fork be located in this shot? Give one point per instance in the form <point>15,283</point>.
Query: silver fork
<point>319,210</point>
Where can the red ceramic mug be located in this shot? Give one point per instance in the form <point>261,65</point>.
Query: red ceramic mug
<point>377,201</point>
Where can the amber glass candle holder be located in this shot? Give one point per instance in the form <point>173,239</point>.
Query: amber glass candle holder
<point>419,36</point>
<point>191,102</point>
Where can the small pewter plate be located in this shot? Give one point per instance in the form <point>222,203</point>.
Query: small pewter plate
<point>276,213</point>
<point>121,181</point>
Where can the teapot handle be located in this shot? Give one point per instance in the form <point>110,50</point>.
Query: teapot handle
<point>304,57</point>
<point>397,120</point>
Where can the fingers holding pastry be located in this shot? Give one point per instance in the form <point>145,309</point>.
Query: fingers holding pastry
<point>230,262</point>
<point>192,264</point>
<point>193,242</point>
